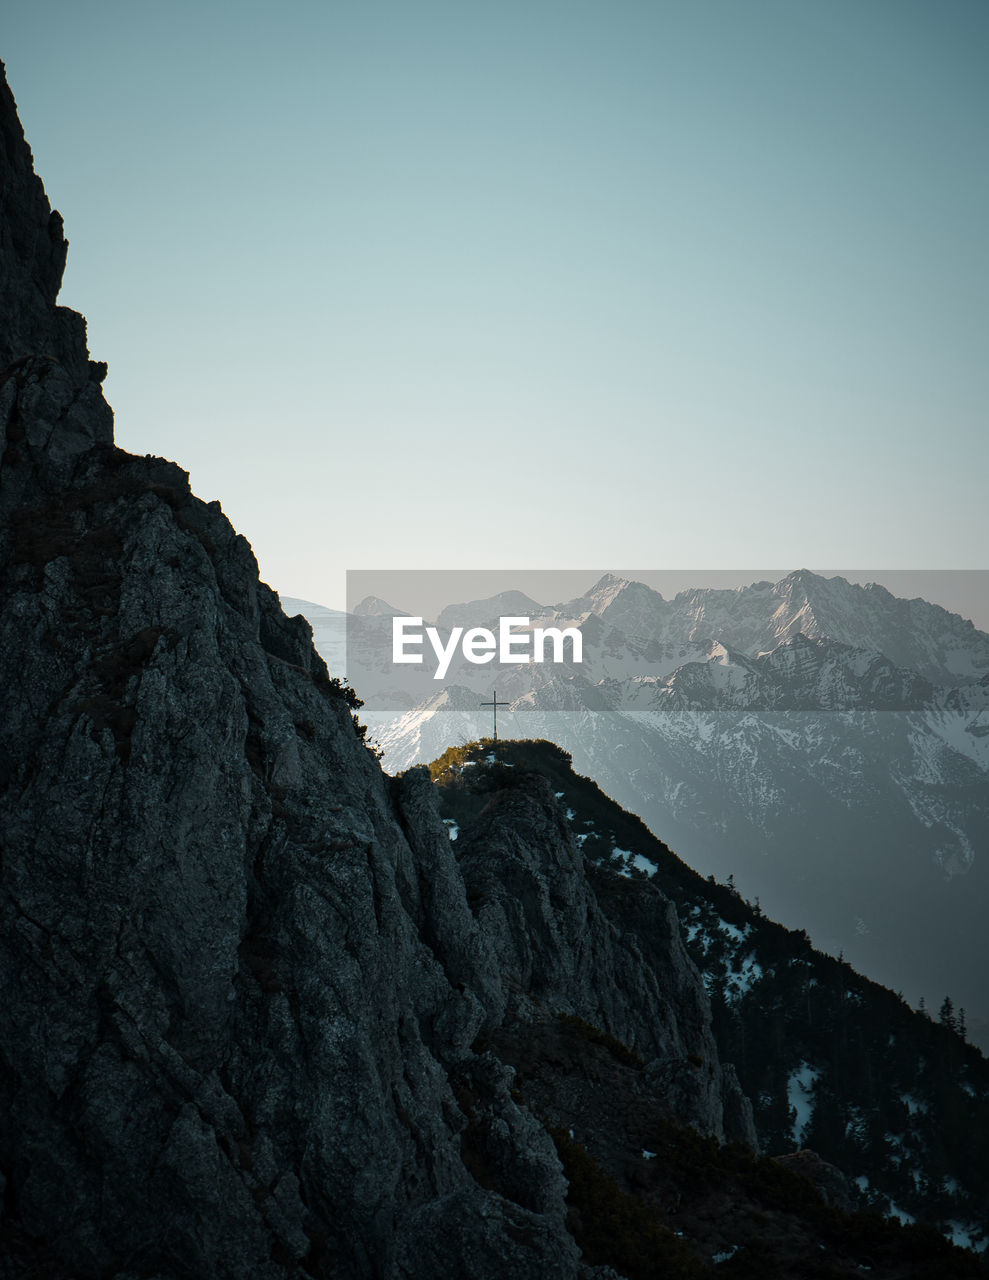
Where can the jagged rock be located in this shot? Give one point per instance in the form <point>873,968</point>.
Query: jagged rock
<point>50,399</point>
<point>243,977</point>
<point>591,943</point>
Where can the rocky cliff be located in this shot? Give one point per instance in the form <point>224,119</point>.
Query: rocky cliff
<point>252,999</point>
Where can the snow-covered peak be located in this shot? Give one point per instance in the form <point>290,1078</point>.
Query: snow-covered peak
<point>941,646</point>
<point>608,586</point>
<point>624,604</point>
<point>605,592</point>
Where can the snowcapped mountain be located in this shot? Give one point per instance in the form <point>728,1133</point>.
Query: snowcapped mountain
<point>914,634</point>
<point>826,744</point>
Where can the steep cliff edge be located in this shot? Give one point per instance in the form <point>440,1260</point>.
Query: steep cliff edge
<point>242,978</point>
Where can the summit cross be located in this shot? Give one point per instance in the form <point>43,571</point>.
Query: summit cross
<point>495,705</point>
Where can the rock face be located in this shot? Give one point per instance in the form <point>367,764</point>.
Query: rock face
<point>589,942</point>
<point>247,984</point>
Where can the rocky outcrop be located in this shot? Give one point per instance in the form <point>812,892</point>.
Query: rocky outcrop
<point>247,983</point>
<point>584,940</point>
<point>51,405</point>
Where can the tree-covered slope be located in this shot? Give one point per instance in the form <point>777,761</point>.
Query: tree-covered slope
<point>830,1060</point>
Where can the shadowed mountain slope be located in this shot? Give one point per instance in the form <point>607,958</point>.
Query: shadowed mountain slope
<point>830,1060</point>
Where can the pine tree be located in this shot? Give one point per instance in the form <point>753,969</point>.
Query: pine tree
<point>946,1014</point>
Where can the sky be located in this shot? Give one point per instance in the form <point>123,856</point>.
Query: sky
<point>470,285</point>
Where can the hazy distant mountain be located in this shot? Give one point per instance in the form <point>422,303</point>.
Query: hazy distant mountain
<point>481,613</point>
<point>373,607</point>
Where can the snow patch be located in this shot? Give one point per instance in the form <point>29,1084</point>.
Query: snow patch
<point>740,983</point>
<point>733,931</point>
<point>636,860</point>
<point>967,1236</point>
<point>799,1092</point>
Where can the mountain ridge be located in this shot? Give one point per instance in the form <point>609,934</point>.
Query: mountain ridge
<point>778,1006</point>
<point>863,616</point>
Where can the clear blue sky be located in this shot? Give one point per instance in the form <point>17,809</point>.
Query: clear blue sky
<point>441,285</point>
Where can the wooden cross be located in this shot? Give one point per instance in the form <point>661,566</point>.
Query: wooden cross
<point>495,705</point>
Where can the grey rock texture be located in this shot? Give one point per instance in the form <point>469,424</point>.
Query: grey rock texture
<point>586,941</point>
<point>246,981</point>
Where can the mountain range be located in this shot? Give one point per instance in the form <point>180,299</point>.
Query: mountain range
<point>827,744</point>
